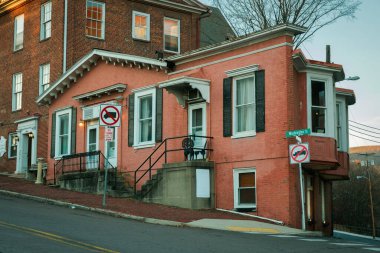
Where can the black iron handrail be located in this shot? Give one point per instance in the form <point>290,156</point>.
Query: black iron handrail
<point>164,153</point>
<point>82,165</point>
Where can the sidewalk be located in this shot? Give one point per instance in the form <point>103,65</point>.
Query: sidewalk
<point>137,210</point>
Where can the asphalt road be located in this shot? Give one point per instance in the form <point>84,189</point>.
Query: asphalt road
<point>28,226</point>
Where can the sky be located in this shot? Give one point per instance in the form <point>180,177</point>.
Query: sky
<point>355,44</point>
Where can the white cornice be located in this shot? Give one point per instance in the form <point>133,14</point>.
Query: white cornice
<point>194,9</point>
<point>8,5</point>
<point>90,60</point>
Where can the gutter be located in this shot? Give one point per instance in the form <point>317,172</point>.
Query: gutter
<point>64,61</point>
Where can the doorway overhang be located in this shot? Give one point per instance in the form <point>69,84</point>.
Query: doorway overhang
<point>179,87</point>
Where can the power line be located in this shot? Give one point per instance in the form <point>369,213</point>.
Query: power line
<point>364,138</point>
<point>364,125</point>
<point>364,129</point>
<point>364,133</point>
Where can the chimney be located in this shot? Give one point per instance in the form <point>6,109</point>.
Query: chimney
<point>328,54</point>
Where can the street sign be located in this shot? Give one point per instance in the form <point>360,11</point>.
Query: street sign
<point>298,132</point>
<point>108,134</point>
<point>110,115</point>
<point>299,153</point>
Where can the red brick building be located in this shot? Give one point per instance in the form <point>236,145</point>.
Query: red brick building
<point>41,39</point>
<point>238,97</point>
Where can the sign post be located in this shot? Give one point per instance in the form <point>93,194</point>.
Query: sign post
<point>110,117</point>
<point>299,153</point>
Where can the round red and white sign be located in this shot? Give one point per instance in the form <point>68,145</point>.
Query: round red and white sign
<point>299,153</point>
<point>110,115</point>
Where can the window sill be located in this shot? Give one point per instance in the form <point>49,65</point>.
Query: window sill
<point>141,40</point>
<point>144,145</point>
<point>172,52</point>
<point>95,38</point>
<point>239,208</point>
<point>16,111</point>
<point>12,158</point>
<point>243,135</point>
<point>18,50</point>
<point>45,39</point>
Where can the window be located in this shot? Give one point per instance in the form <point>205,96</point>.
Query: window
<point>19,33</point>
<point>318,106</point>
<point>244,188</point>
<point>339,133</point>
<point>145,119</point>
<point>13,142</point>
<point>171,35</point>
<point>244,106</point>
<point>95,19</point>
<point>17,92</point>
<point>141,26</point>
<point>45,31</point>
<point>63,133</point>
<point>44,77</point>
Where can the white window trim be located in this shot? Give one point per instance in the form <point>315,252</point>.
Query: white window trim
<point>330,103</point>
<point>343,123</point>
<point>103,20</point>
<point>10,137</point>
<point>179,35</point>
<point>43,21</point>
<point>15,32</point>
<point>138,95</point>
<point>41,88</point>
<point>250,133</point>
<point>236,173</point>
<point>57,130</point>
<point>137,13</point>
<point>14,97</point>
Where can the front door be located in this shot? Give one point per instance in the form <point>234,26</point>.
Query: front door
<point>197,127</point>
<point>92,145</point>
<point>111,149</point>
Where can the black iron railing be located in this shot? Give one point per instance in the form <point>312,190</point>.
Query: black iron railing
<point>194,147</point>
<point>83,162</point>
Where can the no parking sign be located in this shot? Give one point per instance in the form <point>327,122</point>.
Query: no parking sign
<point>110,115</point>
<point>299,153</point>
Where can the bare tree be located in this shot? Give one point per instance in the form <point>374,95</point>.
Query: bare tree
<point>247,16</point>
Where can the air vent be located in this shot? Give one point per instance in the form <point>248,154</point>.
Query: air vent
<point>90,112</point>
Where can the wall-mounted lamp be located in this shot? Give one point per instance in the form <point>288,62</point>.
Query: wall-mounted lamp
<point>31,135</point>
<point>81,123</point>
<point>16,138</point>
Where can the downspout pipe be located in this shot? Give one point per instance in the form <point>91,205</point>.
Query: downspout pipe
<point>64,61</point>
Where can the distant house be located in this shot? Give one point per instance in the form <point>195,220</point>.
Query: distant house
<point>360,155</point>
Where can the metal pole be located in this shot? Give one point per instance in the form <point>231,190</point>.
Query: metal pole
<point>105,186</point>
<point>302,196</point>
<point>371,202</point>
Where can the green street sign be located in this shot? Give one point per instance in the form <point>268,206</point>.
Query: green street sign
<point>298,132</point>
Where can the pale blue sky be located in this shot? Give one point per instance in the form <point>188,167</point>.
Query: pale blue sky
<point>355,44</point>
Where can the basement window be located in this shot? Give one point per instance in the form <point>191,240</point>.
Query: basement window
<point>244,188</point>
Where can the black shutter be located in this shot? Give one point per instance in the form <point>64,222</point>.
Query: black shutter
<point>131,116</point>
<point>159,102</point>
<point>227,107</point>
<point>260,101</point>
<point>53,127</point>
<point>73,130</point>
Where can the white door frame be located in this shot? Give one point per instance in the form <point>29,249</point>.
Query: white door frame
<point>24,127</point>
<point>115,129</point>
<point>89,159</point>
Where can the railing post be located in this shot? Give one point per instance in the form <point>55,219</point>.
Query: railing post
<point>150,167</point>
<point>135,184</point>
<point>63,165</point>
<point>166,148</point>
<point>54,173</point>
<point>80,164</point>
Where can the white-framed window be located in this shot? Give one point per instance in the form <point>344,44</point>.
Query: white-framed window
<point>140,26</point>
<point>95,19</point>
<point>244,106</point>
<point>145,117</point>
<point>12,145</point>
<point>18,33</point>
<point>17,92</point>
<point>244,188</point>
<point>171,35</point>
<point>44,77</point>
<point>63,133</point>
<point>321,104</point>
<point>341,124</point>
<point>46,12</point>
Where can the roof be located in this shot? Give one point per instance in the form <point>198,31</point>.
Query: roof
<point>90,60</point>
<point>302,63</point>
<point>365,149</point>
<point>349,94</point>
<point>236,42</point>
<point>215,28</point>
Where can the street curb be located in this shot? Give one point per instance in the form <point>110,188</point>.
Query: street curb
<point>93,209</point>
